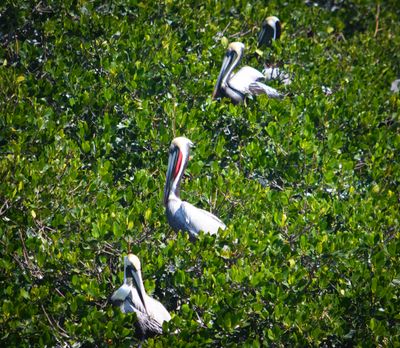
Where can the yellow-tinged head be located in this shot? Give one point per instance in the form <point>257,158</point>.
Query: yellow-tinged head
<point>134,261</point>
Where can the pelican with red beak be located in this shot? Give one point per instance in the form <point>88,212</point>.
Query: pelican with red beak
<point>183,215</point>
<point>270,30</point>
<point>132,297</point>
<point>245,82</point>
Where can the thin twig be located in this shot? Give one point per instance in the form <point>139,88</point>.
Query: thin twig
<point>240,34</point>
<point>174,119</point>
<point>61,331</point>
<point>108,252</point>
<point>47,316</point>
<point>226,28</point>
<point>59,292</point>
<point>27,261</point>
<point>4,207</point>
<point>378,10</point>
<point>19,262</point>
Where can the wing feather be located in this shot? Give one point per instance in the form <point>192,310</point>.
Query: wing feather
<point>200,220</point>
<point>246,81</point>
<point>241,80</point>
<point>261,88</point>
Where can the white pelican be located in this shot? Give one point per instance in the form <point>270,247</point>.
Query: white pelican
<point>183,215</point>
<point>270,30</point>
<point>245,82</point>
<point>132,297</point>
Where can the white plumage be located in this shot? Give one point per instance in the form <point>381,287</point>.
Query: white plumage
<point>183,215</point>
<point>132,297</point>
<point>244,82</point>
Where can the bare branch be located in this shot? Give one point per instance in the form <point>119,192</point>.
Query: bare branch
<point>378,10</point>
<point>240,34</point>
<point>4,207</point>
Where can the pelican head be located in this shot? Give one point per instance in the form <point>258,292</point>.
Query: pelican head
<point>133,275</point>
<point>270,30</point>
<point>232,58</point>
<point>177,162</point>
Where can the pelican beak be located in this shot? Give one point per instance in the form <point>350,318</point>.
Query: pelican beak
<point>174,164</point>
<point>278,30</point>
<point>265,35</point>
<point>227,61</point>
<point>137,279</point>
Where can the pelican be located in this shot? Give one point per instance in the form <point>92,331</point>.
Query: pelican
<point>244,82</point>
<point>270,30</point>
<point>183,215</point>
<point>132,297</point>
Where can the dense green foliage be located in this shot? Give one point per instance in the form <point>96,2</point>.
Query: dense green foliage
<point>92,93</point>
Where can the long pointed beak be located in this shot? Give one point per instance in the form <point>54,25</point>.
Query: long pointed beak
<point>137,278</point>
<point>225,64</point>
<point>278,30</point>
<point>261,35</point>
<point>172,159</point>
<point>266,35</point>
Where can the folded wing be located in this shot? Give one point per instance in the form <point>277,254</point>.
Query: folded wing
<point>197,220</point>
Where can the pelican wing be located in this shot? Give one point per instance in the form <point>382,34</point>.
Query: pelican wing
<point>148,326</point>
<point>157,310</point>
<point>260,88</point>
<point>197,220</point>
<point>122,297</point>
<point>244,78</point>
<point>127,298</point>
<point>121,293</point>
<point>128,306</point>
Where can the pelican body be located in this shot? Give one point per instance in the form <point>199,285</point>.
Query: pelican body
<point>270,30</point>
<point>132,297</point>
<point>182,215</point>
<point>245,82</point>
